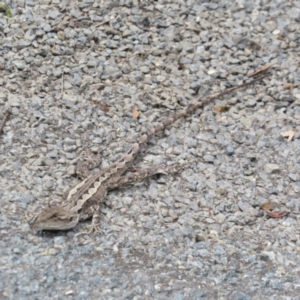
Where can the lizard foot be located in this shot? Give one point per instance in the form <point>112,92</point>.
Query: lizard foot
<point>96,228</point>
<point>91,229</point>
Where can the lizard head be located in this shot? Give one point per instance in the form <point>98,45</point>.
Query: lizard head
<point>54,218</point>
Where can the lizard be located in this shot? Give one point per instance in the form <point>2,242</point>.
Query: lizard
<point>83,201</point>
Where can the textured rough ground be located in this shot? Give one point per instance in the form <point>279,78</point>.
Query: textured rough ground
<point>71,73</point>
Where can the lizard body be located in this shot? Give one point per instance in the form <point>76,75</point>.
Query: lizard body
<point>83,200</point>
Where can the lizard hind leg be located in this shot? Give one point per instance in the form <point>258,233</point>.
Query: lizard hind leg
<point>93,209</point>
<point>95,226</point>
<point>132,178</point>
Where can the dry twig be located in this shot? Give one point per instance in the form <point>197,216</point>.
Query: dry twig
<point>4,120</point>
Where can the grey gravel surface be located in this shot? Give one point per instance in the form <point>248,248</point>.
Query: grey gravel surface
<point>71,73</point>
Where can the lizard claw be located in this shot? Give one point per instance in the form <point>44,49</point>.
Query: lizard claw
<point>95,228</point>
<point>91,229</point>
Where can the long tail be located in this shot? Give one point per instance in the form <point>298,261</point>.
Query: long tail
<point>123,163</point>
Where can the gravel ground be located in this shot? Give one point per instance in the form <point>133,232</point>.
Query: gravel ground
<point>71,73</point>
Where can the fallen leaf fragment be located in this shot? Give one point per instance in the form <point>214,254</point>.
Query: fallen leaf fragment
<point>76,23</point>
<point>290,85</point>
<point>267,206</point>
<point>32,154</point>
<point>260,70</point>
<point>102,105</point>
<point>181,67</point>
<point>221,108</point>
<point>276,214</point>
<point>289,134</point>
<point>97,86</point>
<point>133,169</point>
<point>135,113</point>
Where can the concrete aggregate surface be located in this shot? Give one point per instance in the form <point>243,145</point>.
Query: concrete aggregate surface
<point>74,73</point>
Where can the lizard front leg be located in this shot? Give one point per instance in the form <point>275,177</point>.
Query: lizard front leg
<point>92,208</point>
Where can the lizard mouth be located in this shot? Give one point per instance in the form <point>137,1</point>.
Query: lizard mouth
<point>56,225</point>
<point>54,219</point>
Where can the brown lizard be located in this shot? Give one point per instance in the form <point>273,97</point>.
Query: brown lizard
<point>84,200</point>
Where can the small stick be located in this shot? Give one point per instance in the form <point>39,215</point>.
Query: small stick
<point>107,21</point>
<point>280,118</point>
<point>5,118</point>
<point>62,85</point>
